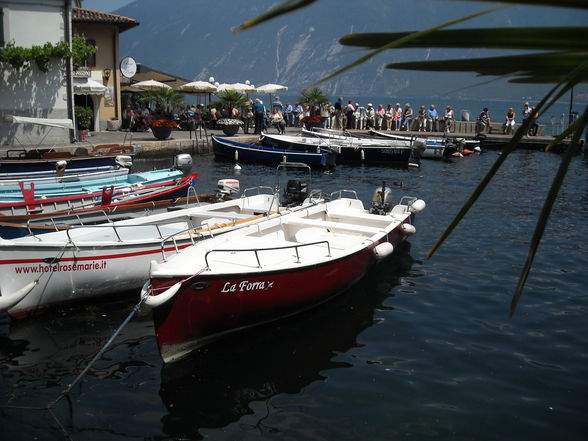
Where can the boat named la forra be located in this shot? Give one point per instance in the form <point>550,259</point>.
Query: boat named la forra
<point>279,267</point>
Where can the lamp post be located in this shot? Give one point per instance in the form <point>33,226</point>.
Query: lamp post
<point>211,81</point>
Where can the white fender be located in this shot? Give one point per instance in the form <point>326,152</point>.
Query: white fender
<point>9,301</point>
<point>477,149</point>
<point>236,155</point>
<point>362,153</point>
<point>407,229</point>
<point>383,250</point>
<point>155,301</point>
<point>417,206</point>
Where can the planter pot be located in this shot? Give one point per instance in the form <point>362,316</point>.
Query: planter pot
<point>83,135</point>
<point>161,132</point>
<point>113,125</point>
<point>229,130</point>
<point>310,124</point>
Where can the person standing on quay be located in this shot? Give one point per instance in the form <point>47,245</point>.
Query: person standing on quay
<point>258,114</point>
<point>432,118</point>
<point>338,123</point>
<point>380,114</point>
<point>397,117</point>
<point>349,111</point>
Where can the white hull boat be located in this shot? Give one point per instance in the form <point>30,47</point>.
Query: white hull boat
<point>88,262</point>
<point>274,269</point>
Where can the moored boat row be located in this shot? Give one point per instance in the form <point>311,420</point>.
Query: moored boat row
<point>251,249</point>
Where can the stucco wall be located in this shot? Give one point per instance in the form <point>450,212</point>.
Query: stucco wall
<point>28,91</point>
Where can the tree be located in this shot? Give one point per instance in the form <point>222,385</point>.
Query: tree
<point>562,60</point>
<point>313,96</point>
<point>165,100</point>
<point>232,99</point>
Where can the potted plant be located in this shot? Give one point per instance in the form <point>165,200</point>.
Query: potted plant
<point>229,126</point>
<point>84,118</point>
<point>165,100</point>
<point>231,99</point>
<point>162,128</point>
<point>312,121</point>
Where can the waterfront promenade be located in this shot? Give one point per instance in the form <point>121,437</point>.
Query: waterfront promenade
<point>181,141</point>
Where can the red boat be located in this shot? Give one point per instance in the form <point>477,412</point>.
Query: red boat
<point>274,269</point>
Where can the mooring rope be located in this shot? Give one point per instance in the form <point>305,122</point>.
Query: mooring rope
<point>49,407</point>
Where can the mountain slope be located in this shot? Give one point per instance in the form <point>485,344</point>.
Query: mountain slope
<point>194,39</point>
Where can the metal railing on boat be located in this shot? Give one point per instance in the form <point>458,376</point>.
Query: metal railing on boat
<point>257,250</point>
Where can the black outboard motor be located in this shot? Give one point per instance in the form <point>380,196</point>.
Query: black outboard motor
<point>295,192</point>
<point>382,200</point>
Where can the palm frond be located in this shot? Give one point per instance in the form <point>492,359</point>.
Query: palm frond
<point>281,9</point>
<point>556,93</point>
<point>401,42</point>
<point>548,67</point>
<point>529,38</point>
<point>571,152</point>
<point>576,4</point>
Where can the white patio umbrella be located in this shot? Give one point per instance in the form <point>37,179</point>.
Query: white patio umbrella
<point>238,87</point>
<point>198,87</point>
<point>271,88</point>
<point>150,85</point>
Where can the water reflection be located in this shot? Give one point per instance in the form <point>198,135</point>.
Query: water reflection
<point>218,384</point>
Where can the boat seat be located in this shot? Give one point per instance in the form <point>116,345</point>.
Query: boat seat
<point>365,218</point>
<point>351,228</point>
<point>227,215</point>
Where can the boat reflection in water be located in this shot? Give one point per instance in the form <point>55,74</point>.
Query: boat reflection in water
<point>215,385</point>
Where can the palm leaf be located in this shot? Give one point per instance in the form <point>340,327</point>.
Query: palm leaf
<point>547,101</point>
<point>571,152</point>
<point>400,43</point>
<point>569,131</point>
<point>545,67</point>
<point>576,4</point>
<point>281,9</point>
<point>530,38</point>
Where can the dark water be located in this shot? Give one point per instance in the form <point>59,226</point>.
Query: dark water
<point>419,350</point>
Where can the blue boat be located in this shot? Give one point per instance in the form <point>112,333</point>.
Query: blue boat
<point>243,152</point>
<point>69,186</point>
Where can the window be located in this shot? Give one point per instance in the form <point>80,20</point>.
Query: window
<point>91,60</point>
<point>2,41</point>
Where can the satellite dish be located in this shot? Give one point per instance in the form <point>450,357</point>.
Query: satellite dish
<point>128,67</point>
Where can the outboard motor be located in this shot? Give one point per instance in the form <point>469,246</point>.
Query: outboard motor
<point>382,200</point>
<point>60,168</point>
<point>226,188</point>
<point>295,192</point>
<point>451,147</point>
<point>124,161</point>
<point>183,162</point>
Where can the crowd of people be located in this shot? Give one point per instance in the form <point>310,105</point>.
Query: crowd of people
<point>339,115</point>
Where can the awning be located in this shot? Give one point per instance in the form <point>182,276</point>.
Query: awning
<point>61,123</point>
<point>147,73</point>
<point>88,86</point>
